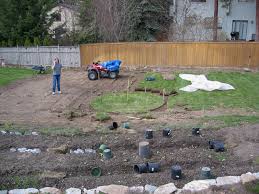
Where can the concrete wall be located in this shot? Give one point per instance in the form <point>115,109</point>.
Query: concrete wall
<point>69,56</point>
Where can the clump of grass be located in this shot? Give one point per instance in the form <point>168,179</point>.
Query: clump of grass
<point>229,120</point>
<point>21,182</point>
<point>102,116</point>
<point>71,114</point>
<point>256,160</point>
<point>61,131</point>
<point>220,157</point>
<point>253,187</point>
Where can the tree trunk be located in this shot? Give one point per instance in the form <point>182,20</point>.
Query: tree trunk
<point>215,22</point>
<point>257,20</point>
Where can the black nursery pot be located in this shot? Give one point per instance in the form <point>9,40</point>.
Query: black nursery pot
<point>149,134</point>
<point>140,168</point>
<point>196,131</point>
<point>167,132</point>
<point>153,167</point>
<point>176,172</point>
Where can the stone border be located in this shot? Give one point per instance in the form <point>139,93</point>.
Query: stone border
<point>196,186</point>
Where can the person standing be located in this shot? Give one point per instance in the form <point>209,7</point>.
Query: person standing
<point>56,67</point>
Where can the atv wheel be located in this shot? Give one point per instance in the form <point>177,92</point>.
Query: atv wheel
<point>113,74</point>
<point>92,75</point>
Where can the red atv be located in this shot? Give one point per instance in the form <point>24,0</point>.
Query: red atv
<point>107,69</point>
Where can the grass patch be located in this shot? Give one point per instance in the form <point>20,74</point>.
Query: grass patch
<point>220,157</point>
<point>21,182</point>
<point>61,131</point>
<point>159,83</point>
<point>253,187</point>
<point>10,74</point>
<point>245,95</point>
<point>228,120</point>
<point>256,160</point>
<point>102,116</point>
<point>138,102</point>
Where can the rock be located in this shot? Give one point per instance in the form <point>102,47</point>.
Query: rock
<point>150,188</point>
<point>248,177</point>
<point>247,69</point>
<point>3,191</point>
<point>227,180</point>
<point>91,191</point>
<point>113,189</point>
<point>17,191</point>
<point>33,151</point>
<point>22,150</point>
<point>84,191</point>
<point>73,191</point>
<point>31,191</point>
<point>78,151</point>
<point>61,149</point>
<point>206,191</point>
<point>13,150</point>
<point>166,189</point>
<point>50,190</point>
<point>256,175</point>
<point>17,133</point>
<point>199,185</point>
<point>136,190</point>
<point>34,133</point>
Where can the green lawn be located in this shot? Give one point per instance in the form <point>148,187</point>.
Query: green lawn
<point>245,95</point>
<point>137,102</point>
<point>8,75</point>
<point>159,83</point>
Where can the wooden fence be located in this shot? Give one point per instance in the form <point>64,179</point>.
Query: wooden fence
<point>193,54</point>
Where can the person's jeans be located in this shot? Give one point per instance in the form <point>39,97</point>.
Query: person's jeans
<point>56,81</point>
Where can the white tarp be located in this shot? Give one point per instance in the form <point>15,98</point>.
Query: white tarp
<point>200,82</point>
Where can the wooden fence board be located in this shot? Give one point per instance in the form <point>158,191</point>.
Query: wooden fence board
<point>191,54</point>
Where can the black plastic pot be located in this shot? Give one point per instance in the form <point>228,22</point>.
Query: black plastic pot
<point>167,132</point>
<point>144,150</point>
<point>219,147</point>
<point>113,126</point>
<point>153,167</point>
<point>149,134</point>
<point>176,172</point>
<point>196,131</point>
<point>140,168</point>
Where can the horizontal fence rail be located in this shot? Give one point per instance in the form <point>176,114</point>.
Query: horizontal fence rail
<point>69,56</point>
<point>187,54</point>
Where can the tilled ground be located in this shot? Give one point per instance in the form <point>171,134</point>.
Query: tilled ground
<point>190,152</point>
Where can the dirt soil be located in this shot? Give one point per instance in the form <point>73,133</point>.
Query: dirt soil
<point>31,103</point>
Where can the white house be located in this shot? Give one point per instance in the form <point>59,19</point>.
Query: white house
<point>65,19</point>
<point>194,19</point>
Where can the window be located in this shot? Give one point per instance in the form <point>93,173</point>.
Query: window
<point>242,0</point>
<point>240,26</point>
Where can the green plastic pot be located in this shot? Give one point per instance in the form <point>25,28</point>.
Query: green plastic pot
<point>96,172</point>
<point>102,148</point>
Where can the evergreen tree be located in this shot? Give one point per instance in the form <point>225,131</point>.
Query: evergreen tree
<point>27,42</point>
<point>10,43</point>
<point>47,41</point>
<point>36,41</point>
<point>24,18</point>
